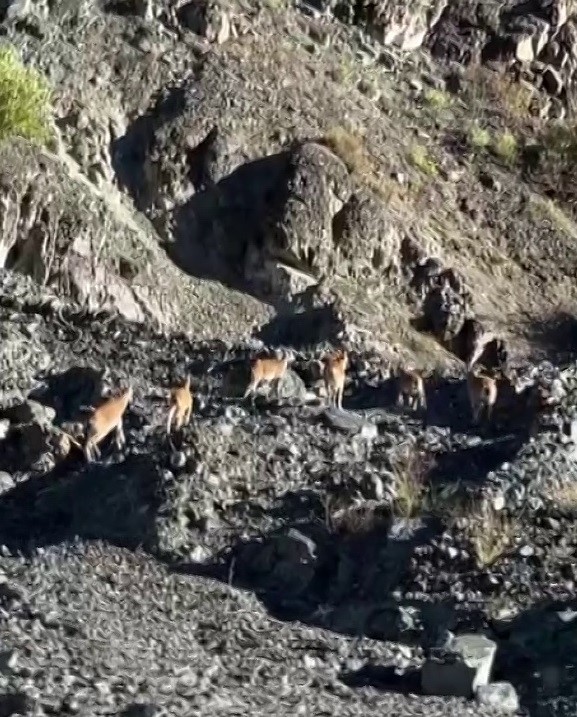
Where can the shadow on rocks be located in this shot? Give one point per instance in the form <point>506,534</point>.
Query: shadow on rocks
<point>538,654</point>
<point>215,228</point>
<point>67,392</point>
<point>128,504</point>
<point>554,337</point>
<point>384,678</point>
<point>304,329</point>
<point>337,572</point>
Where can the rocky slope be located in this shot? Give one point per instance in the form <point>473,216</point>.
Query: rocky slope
<point>229,176</point>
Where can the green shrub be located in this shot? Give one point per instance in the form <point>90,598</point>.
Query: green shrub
<point>24,100</point>
<point>421,159</point>
<point>479,137</point>
<point>437,99</point>
<point>505,147</point>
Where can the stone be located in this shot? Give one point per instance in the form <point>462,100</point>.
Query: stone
<point>498,696</point>
<point>342,420</point>
<point>178,460</point>
<point>6,482</point>
<point>569,429</point>
<point>552,81</point>
<point>4,428</point>
<point>291,386</point>
<point>499,502</point>
<point>224,30</point>
<point>461,669</point>
<point>17,9</point>
<point>30,412</point>
<point>369,431</point>
<point>524,50</point>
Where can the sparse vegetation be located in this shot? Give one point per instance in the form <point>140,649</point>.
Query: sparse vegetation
<point>565,498</point>
<point>550,164</point>
<point>491,534</point>
<point>420,158</point>
<point>547,209</point>
<point>351,149</point>
<point>437,100</point>
<point>490,90</point>
<point>479,137</point>
<point>505,146</point>
<point>24,100</point>
<point>346,72</point>
<point>410,485</point>
<point>561,140</point>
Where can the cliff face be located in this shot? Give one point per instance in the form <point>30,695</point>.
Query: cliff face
<point>197,185</point>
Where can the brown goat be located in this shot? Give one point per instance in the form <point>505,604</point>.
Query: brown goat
<point>180,406</point>
<point>104,419</point>
<point>482,391</point>
<point>334,375</point>
<point>411,389</point>
<point>267,370</point>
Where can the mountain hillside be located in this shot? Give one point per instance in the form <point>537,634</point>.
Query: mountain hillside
<point>185,185</point>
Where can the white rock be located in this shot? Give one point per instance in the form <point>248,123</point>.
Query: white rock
<point>466,668</point>
<point>498,696</point>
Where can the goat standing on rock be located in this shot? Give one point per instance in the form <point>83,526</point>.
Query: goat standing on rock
<point>482,392</point>
<point>334,374</point>
<point>411,389</point>
<point>267,370</point>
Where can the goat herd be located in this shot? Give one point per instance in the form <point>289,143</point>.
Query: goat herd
<point>482,392</point>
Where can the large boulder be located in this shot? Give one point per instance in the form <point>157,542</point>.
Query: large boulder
<point>404,25</point>
<point>366,238</point>
<point>316,187</point>
<point>91,248</point>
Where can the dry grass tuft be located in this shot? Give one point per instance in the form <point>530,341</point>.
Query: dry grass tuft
<point>564,497</point>
<point>351,149</point>
<point>411,472</point>
<point>491,534</point>
<point>490,90</point>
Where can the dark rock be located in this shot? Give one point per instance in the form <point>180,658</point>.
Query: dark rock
<point>461,669</point>
<point>552,81</point>
<point>141,710</point>
<point>16,703</point>
<point>317,186</point>
<point>444,313</point>
<point>365,238</point>
<point>285,563</point>
<point>30,412</point>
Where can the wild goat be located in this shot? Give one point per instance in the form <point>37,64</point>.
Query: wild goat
<point>482,392</point>
<point>180,406</point>
<point>267,370</point>
<point>411,389</point>
<point>104,419</point>
<point>334,374</point>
